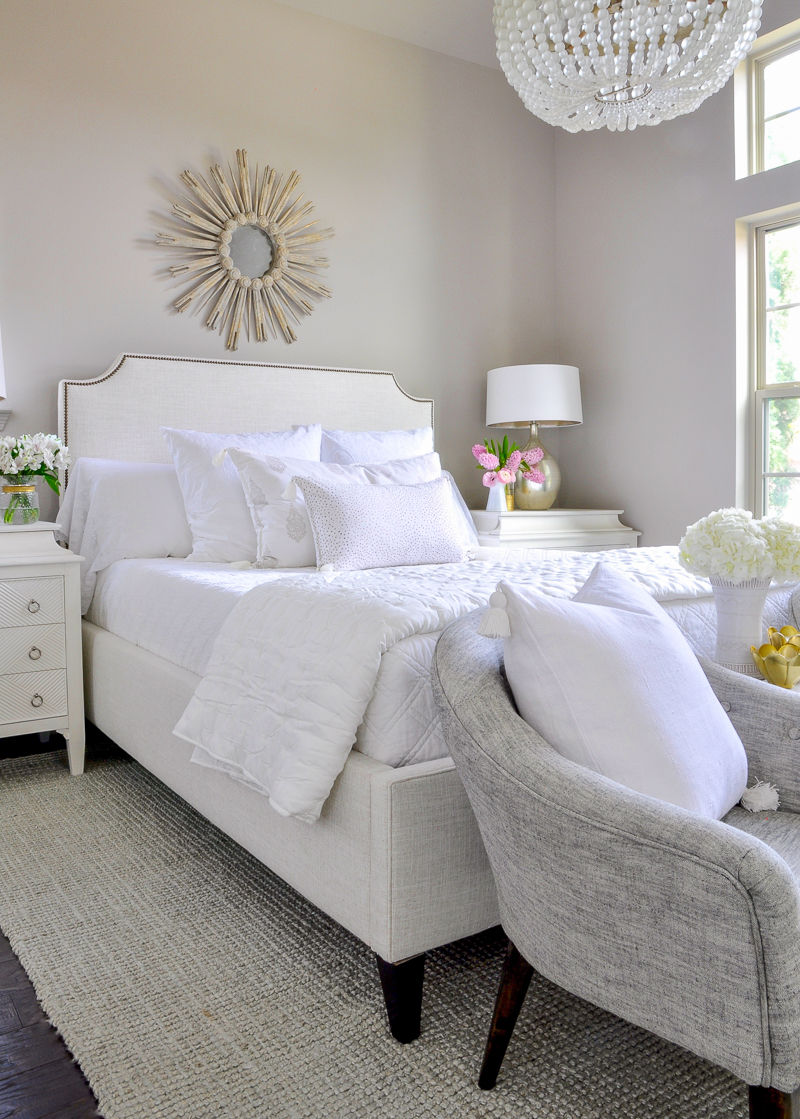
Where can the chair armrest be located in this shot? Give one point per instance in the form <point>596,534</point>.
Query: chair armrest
<point>767,719</point>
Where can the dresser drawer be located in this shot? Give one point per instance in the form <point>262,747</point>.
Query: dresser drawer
<point>31,602</point>
<point>32,695</point>
<point>29,649</point>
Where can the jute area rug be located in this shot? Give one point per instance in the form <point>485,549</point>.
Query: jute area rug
<point>189,981</point>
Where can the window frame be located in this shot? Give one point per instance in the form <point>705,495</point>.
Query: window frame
<point>765,392</point>
<point>749,96</point>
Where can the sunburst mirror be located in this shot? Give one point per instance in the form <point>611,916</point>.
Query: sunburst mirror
<point>248,251</point>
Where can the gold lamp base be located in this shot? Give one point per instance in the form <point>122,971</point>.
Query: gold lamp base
<point>538,495</point>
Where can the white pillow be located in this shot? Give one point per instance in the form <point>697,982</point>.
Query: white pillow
<point>608,679</point>
<point>283,530</point>
<point>115,510</point>
<point>375,446</point>
<point>358,527</point>
<point>222,528</point>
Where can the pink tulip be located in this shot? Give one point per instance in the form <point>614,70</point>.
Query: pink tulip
<point>506,476</point>
<point>490,478</point>
<point>513,461</point>
<point>534,475</point>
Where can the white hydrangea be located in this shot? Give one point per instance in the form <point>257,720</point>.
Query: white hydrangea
<point>727,543</point>
<point>783,541</point>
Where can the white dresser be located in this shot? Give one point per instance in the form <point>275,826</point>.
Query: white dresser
<point>41,672</point>
<point>583,530</point>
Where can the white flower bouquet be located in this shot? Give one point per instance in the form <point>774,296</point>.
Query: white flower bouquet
<point>23,459</point>
<point>729,544</point>
<point>741,556</point>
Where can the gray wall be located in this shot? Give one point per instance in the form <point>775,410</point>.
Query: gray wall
<point>646,309</point>
<point>439,184</point>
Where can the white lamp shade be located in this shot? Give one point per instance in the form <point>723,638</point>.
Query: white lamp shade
<point>519,395</point>
<point>2,374</point>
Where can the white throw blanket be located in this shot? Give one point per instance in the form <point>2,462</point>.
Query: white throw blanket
<point>295,663</point>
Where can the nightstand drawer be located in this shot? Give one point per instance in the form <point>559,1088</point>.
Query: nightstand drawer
<point>25,649</point>
<point>32,695</point>
<point>31,602</point>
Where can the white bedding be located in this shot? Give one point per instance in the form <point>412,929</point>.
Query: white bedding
<point>175,609</point>
<point>296,663</point>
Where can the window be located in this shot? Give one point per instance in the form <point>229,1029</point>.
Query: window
<point>779,77</point>
<point>777,364</point>
<point>768,103</point>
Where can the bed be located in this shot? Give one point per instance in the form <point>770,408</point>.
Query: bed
<point>395,856</point>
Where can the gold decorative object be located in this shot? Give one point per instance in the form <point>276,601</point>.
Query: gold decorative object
<point>778,660</point>
<point>247,251</point>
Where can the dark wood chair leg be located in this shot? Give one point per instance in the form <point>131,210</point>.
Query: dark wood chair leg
<point>769,1103</point>
<point>402,991</point>
<point>514,983</point>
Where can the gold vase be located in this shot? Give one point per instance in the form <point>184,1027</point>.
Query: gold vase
<point>509,494</point>
<point>537,495</point>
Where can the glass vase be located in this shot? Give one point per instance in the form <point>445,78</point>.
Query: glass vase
<point>19,501</point>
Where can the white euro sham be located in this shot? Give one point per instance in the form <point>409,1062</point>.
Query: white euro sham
<point>222,528</point>
<point>346,447</point>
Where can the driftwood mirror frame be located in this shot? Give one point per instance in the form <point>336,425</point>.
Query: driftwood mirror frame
<point>204,227</point>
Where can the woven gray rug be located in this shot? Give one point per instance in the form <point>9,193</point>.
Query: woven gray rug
<point>190,981</point>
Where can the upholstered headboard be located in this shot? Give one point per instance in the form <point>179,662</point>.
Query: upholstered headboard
<point>118,415</point>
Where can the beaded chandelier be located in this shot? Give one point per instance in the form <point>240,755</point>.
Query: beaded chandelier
<point>587,64</point>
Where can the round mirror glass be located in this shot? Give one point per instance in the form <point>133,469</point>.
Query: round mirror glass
<point>251,250</point>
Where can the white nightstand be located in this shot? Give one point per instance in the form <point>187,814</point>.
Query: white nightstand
<point>583,530</point>
<point>41,670</point>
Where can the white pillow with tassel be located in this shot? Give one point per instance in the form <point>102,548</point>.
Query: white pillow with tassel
<point>608,679</point>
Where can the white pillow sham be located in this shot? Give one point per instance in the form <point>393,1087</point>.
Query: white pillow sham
<point>360,527</point>
<point>346,447</point>
<point>115,510</point>
<point>608,679</point>
<point>222,528</point>
<point>283,530</point>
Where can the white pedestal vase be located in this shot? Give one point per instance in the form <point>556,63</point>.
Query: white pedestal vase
<point>739,610</point>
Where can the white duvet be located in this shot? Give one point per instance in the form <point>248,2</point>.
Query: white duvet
<point>295,663</point>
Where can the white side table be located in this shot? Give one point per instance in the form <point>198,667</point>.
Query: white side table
<point>41,670</point>
<point>583,530</point>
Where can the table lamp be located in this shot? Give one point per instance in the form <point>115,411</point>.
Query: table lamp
<point>534,396</point>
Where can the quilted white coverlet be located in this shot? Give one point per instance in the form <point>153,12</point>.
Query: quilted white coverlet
<point>296,661</point>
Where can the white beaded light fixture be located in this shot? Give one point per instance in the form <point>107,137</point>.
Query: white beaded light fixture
<point>586,64</point>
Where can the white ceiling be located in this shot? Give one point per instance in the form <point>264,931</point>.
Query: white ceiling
<point>462,28</point>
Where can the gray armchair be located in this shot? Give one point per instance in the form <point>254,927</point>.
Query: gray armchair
<point>685,926</point>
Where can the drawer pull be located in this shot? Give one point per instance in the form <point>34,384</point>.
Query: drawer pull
<point>34,653</point>
<point>34,606</point>
<point>37,701</point>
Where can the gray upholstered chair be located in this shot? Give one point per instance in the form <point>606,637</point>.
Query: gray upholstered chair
<point>685,926</point>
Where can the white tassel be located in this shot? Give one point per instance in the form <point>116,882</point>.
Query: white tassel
<point>219,458</point>
<point>240,565</point>
<point>494,622</point>
<point>762,797</point>
<point>325,568</point>
<point>290,493</point>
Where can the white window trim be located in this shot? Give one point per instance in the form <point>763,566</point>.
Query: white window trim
<point>761,392</point>
<point>749,95</point>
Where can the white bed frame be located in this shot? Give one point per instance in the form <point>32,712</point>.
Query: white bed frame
<point>396,856</point>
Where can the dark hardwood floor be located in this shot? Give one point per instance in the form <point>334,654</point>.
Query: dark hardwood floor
<point>38,1077</point>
